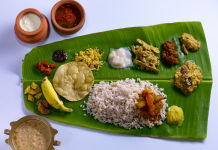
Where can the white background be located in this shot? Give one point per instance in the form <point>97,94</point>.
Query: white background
<point>102,16</point>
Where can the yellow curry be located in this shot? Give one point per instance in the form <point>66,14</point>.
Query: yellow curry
<point>188,77</point>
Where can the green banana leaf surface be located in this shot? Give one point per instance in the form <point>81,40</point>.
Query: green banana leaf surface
<point>195,106</point>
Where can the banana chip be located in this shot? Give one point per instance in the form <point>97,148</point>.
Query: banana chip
<point>73,80</point>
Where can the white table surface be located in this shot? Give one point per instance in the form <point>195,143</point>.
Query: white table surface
<point>102,16</point>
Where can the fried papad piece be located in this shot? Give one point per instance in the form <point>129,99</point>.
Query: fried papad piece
<point>73,80</point>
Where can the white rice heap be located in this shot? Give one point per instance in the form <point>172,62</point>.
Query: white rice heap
<point>115,103</point>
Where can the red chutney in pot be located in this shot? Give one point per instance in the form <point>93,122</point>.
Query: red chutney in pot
<point>67,16</point>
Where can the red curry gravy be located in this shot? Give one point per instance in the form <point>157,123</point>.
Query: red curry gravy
<point>68,16</point>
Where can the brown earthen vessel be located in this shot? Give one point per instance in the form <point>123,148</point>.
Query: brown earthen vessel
<point>34,36</point>
<point>70,30</point>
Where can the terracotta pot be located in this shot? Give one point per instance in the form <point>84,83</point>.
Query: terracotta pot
<point>10,141</point>
<point>34,36</point>
<point>70,30</point>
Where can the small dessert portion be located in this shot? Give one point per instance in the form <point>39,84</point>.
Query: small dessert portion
<point>30,22</point>
<point>68,16</point>
<point>145,56</point>
<point>189,43</point>
<point>188,77</point>
<point>91,57</point>
<point>175,115</point>
<point>73,80</point>
<point>32,135</point>
<point>169,53</point>
<point>120,58</point>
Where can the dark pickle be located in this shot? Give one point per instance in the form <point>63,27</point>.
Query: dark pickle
<point>59,56</point>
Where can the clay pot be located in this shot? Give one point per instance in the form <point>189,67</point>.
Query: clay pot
<point>70,30</point>
<point>34,36</point>
<point>10,141</point>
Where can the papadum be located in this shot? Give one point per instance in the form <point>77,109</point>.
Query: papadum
<point>73,80</point>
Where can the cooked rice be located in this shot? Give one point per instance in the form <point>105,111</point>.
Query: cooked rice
<point>115,103</point>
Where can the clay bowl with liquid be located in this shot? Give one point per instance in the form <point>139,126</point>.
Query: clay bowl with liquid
<point>34,36</point>
<point>80,13</point>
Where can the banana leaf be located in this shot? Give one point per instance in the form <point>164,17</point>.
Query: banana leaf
<point>195,106</point>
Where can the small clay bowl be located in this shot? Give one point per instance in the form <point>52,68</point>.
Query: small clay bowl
<point>10,141</point>
<point>69,30</point>
<point>34,36</point>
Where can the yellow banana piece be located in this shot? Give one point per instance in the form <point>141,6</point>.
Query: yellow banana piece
<point>51,96</point>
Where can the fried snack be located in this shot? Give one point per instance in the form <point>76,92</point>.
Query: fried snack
<point>189,43</point>
<point>73,80</point>
<point>42,106</point>
<point>34,86</point>
<point>38,96</point>
<point>30,98</point>
<point>27,90</point>
<point>32,90</point>
<point>145,56</point>
<point>91,57</point>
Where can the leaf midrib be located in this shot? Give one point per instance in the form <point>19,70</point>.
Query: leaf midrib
<point>112,79</point>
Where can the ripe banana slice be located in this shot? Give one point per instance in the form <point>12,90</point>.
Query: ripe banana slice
<point>51,95</point>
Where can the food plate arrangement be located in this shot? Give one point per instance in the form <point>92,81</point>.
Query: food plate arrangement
<point>195,106</point>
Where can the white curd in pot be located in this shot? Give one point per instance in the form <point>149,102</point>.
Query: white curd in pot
<point>30,22</point>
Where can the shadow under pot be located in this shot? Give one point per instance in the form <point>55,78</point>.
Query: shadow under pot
<point>31,26</point>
